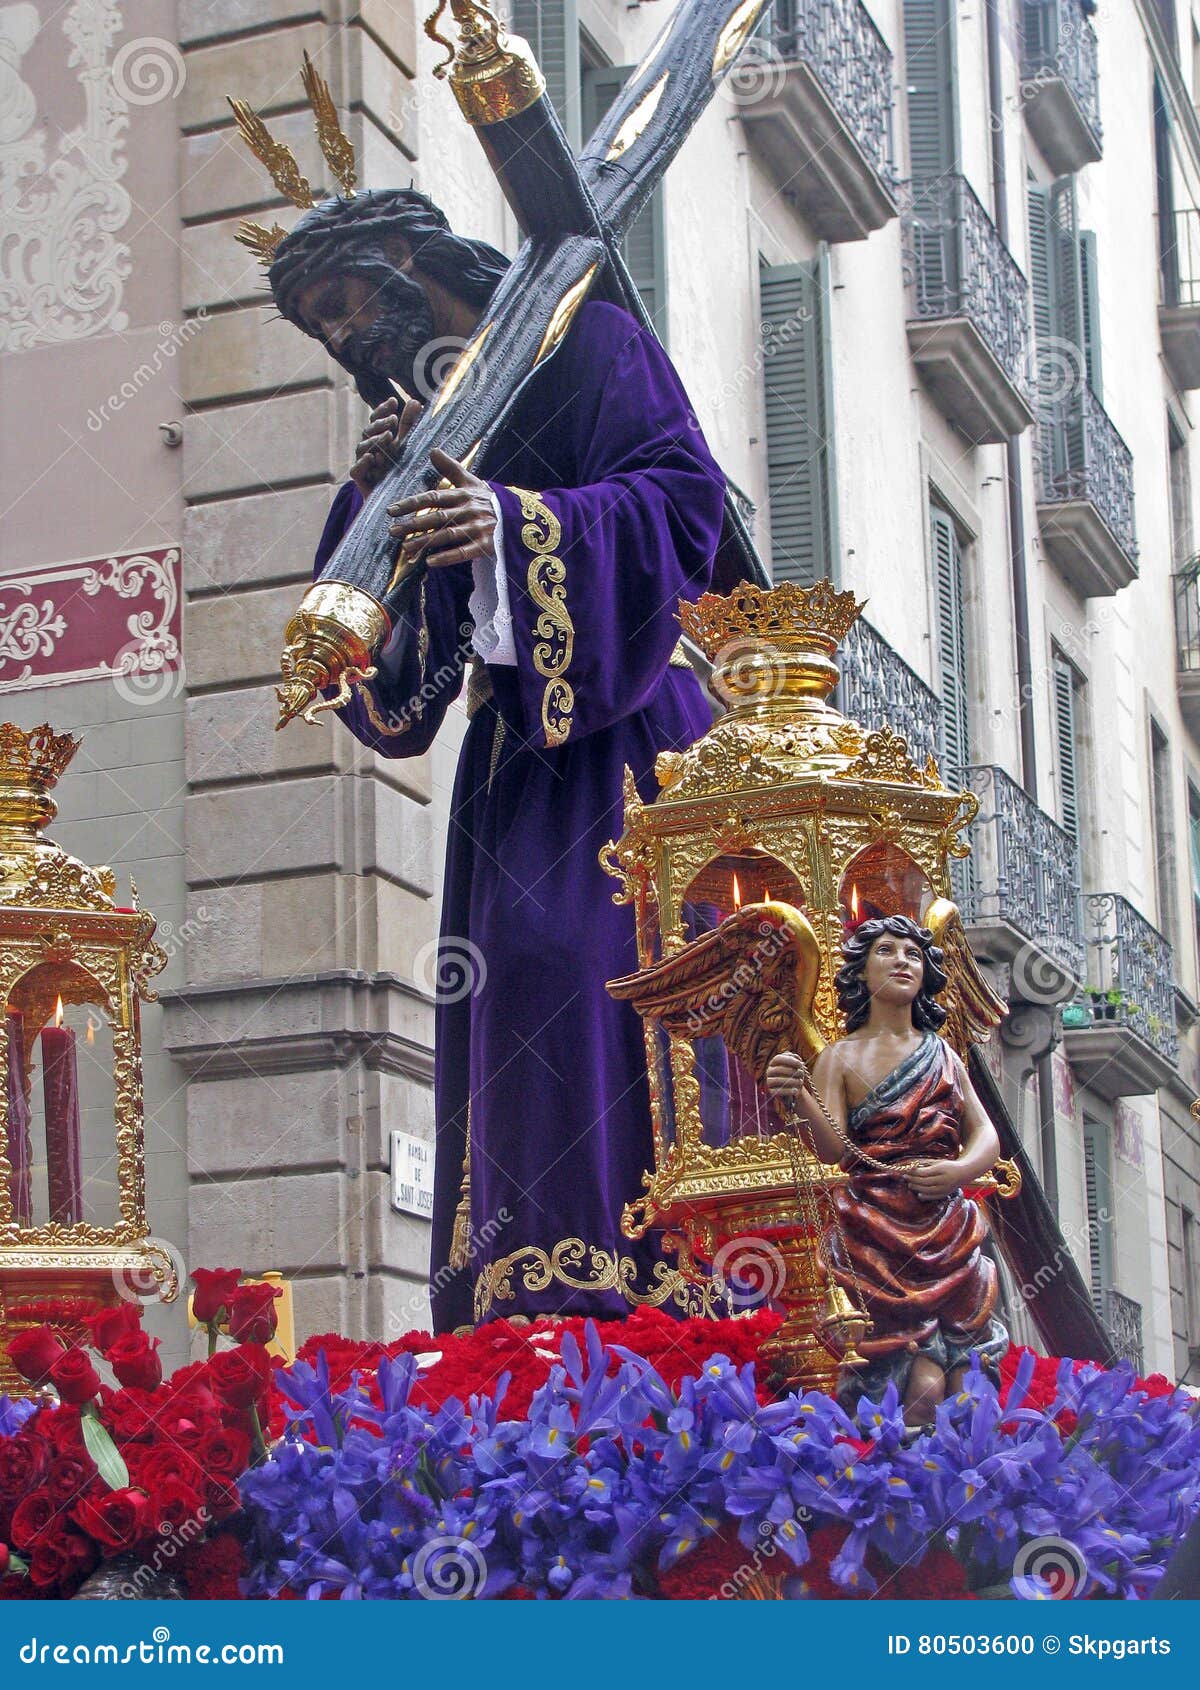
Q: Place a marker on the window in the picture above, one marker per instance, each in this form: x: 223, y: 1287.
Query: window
x: 1069, y: 704
x: 1063, y: 275
x: 1164, y: 843
x: 581, y: 89
x: 930, y: 76
x: 800, y: 481
x: 946, y: 566
x: 1191, y: 1278
x: 1181, y: 505
x: 1194, y: 844
x: 1097, y: 1174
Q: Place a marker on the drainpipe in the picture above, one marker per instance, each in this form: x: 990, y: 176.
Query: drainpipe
x: 1043, y: 1065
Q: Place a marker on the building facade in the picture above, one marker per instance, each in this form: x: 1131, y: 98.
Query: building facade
x: 931, y: 274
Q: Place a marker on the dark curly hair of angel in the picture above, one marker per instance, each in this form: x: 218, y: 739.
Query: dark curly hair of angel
x: 850, y: 980
x: 355, y: 235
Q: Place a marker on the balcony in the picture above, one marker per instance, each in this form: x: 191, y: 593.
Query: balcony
x: 1119, y: 1032
x: 1085, y: 494
x: 876, y: 687
x: 1187, y: 642
x: 1123, y: 1318
x: 1179, y: 295
x: 1059, y: 83
x: 968, y: 328
x: 814, y: 91
x: 1019, y: 890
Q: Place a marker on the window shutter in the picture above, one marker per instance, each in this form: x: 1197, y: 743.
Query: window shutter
x: 929, y: 72
x: 1098, y: 1191
x: 1066, y: 743
x: 1040, y: 261
x: 952, y: 645
x: 551, y: 28
x: 1091, y: 311
x: 1066, y: 269
x: 644, y: 246
x: 799, y: 459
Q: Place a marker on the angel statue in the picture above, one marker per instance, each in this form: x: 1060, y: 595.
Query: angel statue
x: 893, y: 1103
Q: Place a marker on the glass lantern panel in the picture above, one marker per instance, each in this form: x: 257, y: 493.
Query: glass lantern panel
x: 884, y: 880
x: 61, y: 1115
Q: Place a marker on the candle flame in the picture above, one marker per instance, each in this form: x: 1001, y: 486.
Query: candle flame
x: 854, y: 903
x: 766, y: 894
x: 58, y: 1012
x: 737, y: 894
x: 91, y: 1031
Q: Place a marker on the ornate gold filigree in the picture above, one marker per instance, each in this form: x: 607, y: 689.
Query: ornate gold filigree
x: 885, y: 757
x: 768, y: 614
x: 336, y: 148
x: 278, y: 158
x: 553, y: 628
x: 580, y: 1266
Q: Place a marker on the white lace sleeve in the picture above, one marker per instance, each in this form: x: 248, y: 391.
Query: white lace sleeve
x: 488, y: 604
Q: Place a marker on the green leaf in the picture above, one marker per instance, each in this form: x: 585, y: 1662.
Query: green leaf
x: 109, y: 1462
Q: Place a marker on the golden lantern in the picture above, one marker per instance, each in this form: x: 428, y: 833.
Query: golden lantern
x: 771, y: 836
x: 73, y: 967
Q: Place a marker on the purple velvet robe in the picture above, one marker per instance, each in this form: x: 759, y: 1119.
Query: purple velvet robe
x: 612, y: 507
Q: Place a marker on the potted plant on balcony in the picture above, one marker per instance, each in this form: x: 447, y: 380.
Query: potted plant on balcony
x: 1104, y: 1003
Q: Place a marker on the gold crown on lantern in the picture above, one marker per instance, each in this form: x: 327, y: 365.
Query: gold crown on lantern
x: 281, y: 161
x: 34, y: 756
x: 788, y: 611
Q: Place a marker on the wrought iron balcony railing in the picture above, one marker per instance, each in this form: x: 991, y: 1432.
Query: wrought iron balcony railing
x: 1131, y: 973
x: 1179, y: 257
x: 839, y: 40
x: 1023, y: 869
x: 1057, y: 41
x: 1082, y: 457
x: 1187, y: 615
x: 959, y: 267
x: 877, y: 686
x: 1123, y: 1318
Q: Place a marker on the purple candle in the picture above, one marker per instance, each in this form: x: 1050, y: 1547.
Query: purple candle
x: 60, y: 1091
x: 19, y: 1185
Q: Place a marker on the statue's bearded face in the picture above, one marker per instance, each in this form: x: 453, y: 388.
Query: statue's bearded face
x: 371, y: 324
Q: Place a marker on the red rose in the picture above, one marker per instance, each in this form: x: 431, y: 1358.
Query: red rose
x: 252, y: 1317
x: 157, y: 1465
x: 131, y: 1414
x: 176, y: 1506
x: 241, y: 1376
x: 118, y: 1520
x: 214, y: 1288
x: 34, y: 1353
x: 222, y: 1498
x: 22, y: 1463
x: 59, y: 1428
x: 30, y: 1518
x: 74, y: 1377
x: 224, y: 1453
x: 110, y: 1325
x: 135, y: 1361
x: 65, y: 1555
x: 68, y: 1474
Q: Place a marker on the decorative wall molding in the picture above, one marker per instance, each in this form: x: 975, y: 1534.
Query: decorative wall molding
x: 113, y: 616
x: 62, y: 270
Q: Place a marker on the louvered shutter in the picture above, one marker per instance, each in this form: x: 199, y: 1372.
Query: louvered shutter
x: 644, y: 246
x: 551, y: 28
x: 1098, y: 1192
x: 930, y: 78
x: 952, y: 645
x: 1091, y: 311
x: 799, y: 456
x: 1066, y: 743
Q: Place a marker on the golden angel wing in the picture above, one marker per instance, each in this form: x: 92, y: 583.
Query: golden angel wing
x: 278, y: 158
x: 974, y: 1008
x: 751, y: 981
x: 339, y: 154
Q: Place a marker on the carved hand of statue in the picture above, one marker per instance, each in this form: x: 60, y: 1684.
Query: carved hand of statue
x: 450, y: 524
x: 933, y: 1178
x: 787, y: 1075
x: 384, y: 434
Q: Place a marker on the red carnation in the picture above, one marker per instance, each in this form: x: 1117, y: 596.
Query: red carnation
x: 30, y: 1518
x: 214, y: 1288
x: 134, y: 1359
x: 241, y: 1376
x: 210, y: 1570
x: 224, y: 1453
x: 34, y: 1353
x: 110, y: 1325
x: 74, y: 1377
x: 252, y: 1317
x: 118, y: 1520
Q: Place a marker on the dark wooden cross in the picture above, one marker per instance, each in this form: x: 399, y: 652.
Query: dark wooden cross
x: 573, y: 213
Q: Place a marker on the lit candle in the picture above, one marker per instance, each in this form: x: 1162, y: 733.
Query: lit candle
x: 60, y: 1091
x: 19, y: 1185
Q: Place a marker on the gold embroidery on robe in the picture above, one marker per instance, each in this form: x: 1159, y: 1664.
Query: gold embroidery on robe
x: 589, y: 1267
x: 554, y: 629
x: 460, y: 1235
